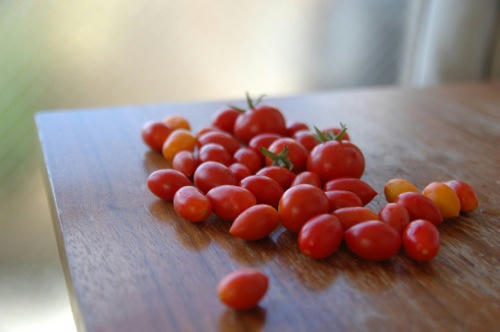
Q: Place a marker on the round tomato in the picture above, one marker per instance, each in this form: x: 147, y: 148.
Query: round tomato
x: 164, y: 183
x: 420, y: 207
x: 214, y: 152
x: 293, y: 127
x: 185, y: 162
x: 421, y: 240
x: 466, y: 195
x: 249, y: 158
x: 281, y: 175
x: 395, y: 215
x: 362, y: 189
x: 222, y: 138
x: 306, y: 138
x: 191, y: 204
x: 154, y: 134
x: 373, y: 240
x: 260, y: 120
x: 212, y: 174
x: 341, y: 198
x: 320, y: 236
x: 265, y: 189
x: 239, y: 171
x: 297, y: 154
x: 243, y: 289
x: 350, y: 216
x: 255, y: 223
x: 229, y: 201
x: 225, y: 119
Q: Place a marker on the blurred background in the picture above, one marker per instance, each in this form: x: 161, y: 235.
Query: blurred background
x: 73, y: 54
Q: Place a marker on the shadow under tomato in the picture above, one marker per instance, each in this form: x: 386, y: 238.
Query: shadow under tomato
x: 245, y: 320
x: 153, y: 160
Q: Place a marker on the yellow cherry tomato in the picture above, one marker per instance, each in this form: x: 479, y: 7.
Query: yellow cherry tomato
x: 444, y: 197
x: 395, y: 187
x: 177, y: 122
x: 179, y: 140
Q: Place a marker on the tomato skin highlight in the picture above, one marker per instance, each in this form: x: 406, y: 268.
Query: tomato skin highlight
x: 211, y: 174
x: 178, y: 140
x: 421, y: 240
x: 281, y: 175
x: 466, y: 195
x: 299, y: 204
x: 350, y: 216
x: 262, y: 141
x: 243, y: 289
x: 255, y: 223
x: 334, y: 159
x: 295, y: 126
x: 229, y: 201
x: 249, y: 158
x: 191, y: 204
x: 260, y: 120
x: 320, y: 236
x: 154, y: 134
x: 373, y: 240
x: 266, y: 190
x: 214, y: 152
x: 225, y: 119
x: 239, y: 171
x: 307, y: 178
x: 444, y: 197
x: 395, y: 187
x: 420, y: 207
x: 297, y: 154
x: 185, y: 162
x: 395, y: 215
x: 222, y: 138
x: 164, y: 183
x: 306, y: 138
x: 339, y: 199
x: 362, y: 189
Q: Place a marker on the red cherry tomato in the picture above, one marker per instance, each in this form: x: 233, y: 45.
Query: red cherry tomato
x: 307, y: 178
x: 297, y: 154
x: 185, y: 162
x: 362, y: 189
x: 243, y: 289
x: 335, y: 131
x: 239, y: 171
x: 299, y: 204
x: 262, y: 140
x: 225, y: 119
x: 263, y: 119
x: 350, y: 216
x: 255, y: 223
x: 420, y: 207
x: 214, y: 152
x: 191, y: 204
x: 229, y: 201
x: 341, y: 198
x: 219, y: 137
x: 295, y: 127
x: 421, y: 240
x: 466, y: 195
x: 165, y: 182
x: 306, y: 138
x: 320, y: 236
x: 265, y: 189
x: 281, y: 175
x: 373, y: 240
x: 334, y: 159
x: 395, y: 215
x: 249, y: 158
x: 212, y: 174
x: 154, y: 134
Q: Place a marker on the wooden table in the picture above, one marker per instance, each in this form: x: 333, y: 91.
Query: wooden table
x: 133, y: 265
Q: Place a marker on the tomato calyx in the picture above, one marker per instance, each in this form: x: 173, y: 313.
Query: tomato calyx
x: 251, y: 103
x: 279, y: 159
x: 325, y: 137
x: 236, y: 108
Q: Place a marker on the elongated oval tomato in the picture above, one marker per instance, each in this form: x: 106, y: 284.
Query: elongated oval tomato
x: 373, y: 240
x: 306, y: 138
x: 222, y: 138
x: 420, y: 207
x: 154, y: 134
x: 421, y: 240
x: 229, y: 201
x: 265, y: 189
x: 243, y: 289
x: 339, y: 199
x: 185, y: 162
x: 255, y: 223
x: 248, y: 157
x: 225, y: 119
x: 211, y: 174
x: 362, y: 189
x: 307, y: 178
x: 191, y: 204
x: 466, y: 195
x: 351, y: 216
x: 395, y: 215
x: 164, y: 183
x: 239, y: 171
x: 444, y: 197
x: 178, y: 140
x: 320, y: 236
x: 177, y: 122
x: 395, y: 187
x: 214, y: 152
x: 281, y: 175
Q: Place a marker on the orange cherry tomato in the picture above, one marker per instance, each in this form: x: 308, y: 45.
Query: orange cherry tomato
x: 394, y: 187
x: 177, y: 122
x: 444, y: 197
x: 255, y: 223
x: 179, y: 140
x: 243, y: 289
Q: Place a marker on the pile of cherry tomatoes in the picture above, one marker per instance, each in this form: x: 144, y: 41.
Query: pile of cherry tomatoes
x: 252, y: 169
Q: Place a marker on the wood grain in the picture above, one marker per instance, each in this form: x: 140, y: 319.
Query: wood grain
x: 133, y: 265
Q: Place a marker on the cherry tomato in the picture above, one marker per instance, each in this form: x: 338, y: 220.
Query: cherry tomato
x: 466, y: 195
x: 335, y: 131
x: 265, y: 189
x: 154, y: 134
x: 255, y: 223
x: 177, y: 122
x: 281, y: 175
x: 229, y: 201
x: 260, y: 120
x: 225, y: 119
x: 222, y: 138
x: 341, y: 198
x: 320, y: 236
x: 191, y: 204
x: 373, y: 240
x: 395, y: 215
x: 178, y: 140
x: 294, y: 127
x: 350, y: 216
x: 421, y: 240
x: 185, y: 162
x: 444, y: 197
x: 165, y: 182
x: 357, y: 186
x: 249, y: 158
x: 239, y: 171
x: 214, y: 152
x: 211, y: 174
x: 336, y: 159
x: 205, y: 130
x: 394, y: 187
x: 299, y: 204
x: 262, y: 140
x: 306, y: 138
x: 243, y: 289
x: 307, y: 178
x: 297, y: 154
x: 420, y: 207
